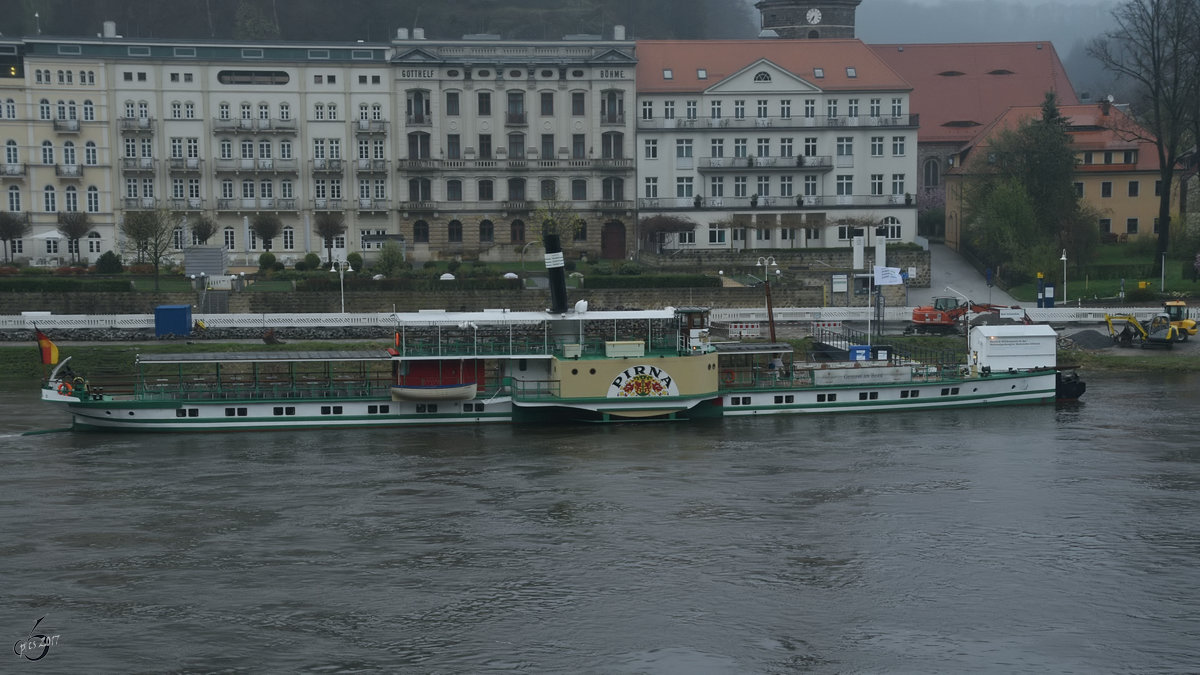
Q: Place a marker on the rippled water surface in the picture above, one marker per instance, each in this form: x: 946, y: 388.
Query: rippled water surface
x: 1008, y: 540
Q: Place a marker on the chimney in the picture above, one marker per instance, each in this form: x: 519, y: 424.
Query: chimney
x: 401, y: 33
x: 619, y: 33
x: 110, y: 29
x: 418, y: 33
x: 1105, y: 106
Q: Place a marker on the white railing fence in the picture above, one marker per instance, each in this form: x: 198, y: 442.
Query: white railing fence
x: 386, y: 320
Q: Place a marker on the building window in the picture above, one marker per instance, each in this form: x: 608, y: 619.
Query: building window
x: 452, y: 108
x: 739, y: 186
x: 933, y: 173
x: 651, y: 146
x: 651, y: 191
x: 454, y: 190
x: 1134, y: 188
x: 579, y: 104
x: 487, y: 231
x: 1106, y: 225
x: 421, y: 232
x: 516, y: 232
x: 683, y: 187
x: 683, y: 147
x: 1131, y: 225
x: 898, y: 146
x: 845, y: 185
x: 876, y: 184
x: 454, y: 233
x: 1079, y: 190
x: 1106, y: 189
x: 547, y: 103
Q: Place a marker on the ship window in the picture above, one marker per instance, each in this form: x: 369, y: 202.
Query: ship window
x: 820, y: 398
x: 426, y: 407
x: 325, y: 410
x: 181, y: 413
x: 278, y: 410
x: 337, y: 410
x: 779, y: 399
x: 522, y: 364
x: 230, y: 412
x: 862, y: 395
x: 193, y: 412
x: 832, y: 398
x: 242, y: 412
x: 290, y: 410
x: 372, y: 410
x: 384, y: 409
x: 915, y: 393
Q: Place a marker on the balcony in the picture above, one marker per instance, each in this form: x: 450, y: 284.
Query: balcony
x: 189, y: 204
x: 323, y: 204
x: 805, y: 163
x: 614, y: 205
x: 255, y: 126
x: 328, y: 166
x: 516, y: 205
x: 515, y: 119
x: 186, y: 164
x: 131, y: 164
x: 257, y: 165
x: 257, y: 204
x: 774, y: 203
x: 612, y: 118
x: 613, y: 164
x: 417, y: 120
x: 66, y: 126
x: 136, y: 124
x: 12, y: 169
x: 813, y: 122
x: 68, y: 170
x: 371, y: 165
x: 424, y: 164
x: 140, y: 203
x: 365, y: 204
x: 418, y: 206
x: 370, y: 126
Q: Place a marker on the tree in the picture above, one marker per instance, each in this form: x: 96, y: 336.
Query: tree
x: 391, y: 260
x: 557, y: 217
x: 329, y: 226
x: 1152, y: 47
x: 254, y: 24
x: 266, y: 226
x: 12, y: 226
x: 74, y: 225
x: 652, y: 227
x: 203, y: 229
x: 150, y: 234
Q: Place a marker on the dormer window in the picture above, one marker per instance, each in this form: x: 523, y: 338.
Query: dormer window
x: 851, y: 72
x: 668, y: 74
x: 819, y: 73
x: 701, y: 74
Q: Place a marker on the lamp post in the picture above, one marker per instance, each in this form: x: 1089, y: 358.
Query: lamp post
x: 766, y: 263
x: 1066, y: 298
x: 343, y: 266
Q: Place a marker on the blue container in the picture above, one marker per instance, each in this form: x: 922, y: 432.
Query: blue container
x: 172, y: 320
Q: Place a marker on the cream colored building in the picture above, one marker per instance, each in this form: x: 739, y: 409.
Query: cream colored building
x: 110, y: 125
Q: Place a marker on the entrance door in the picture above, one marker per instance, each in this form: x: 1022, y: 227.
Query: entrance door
x: 612, y: 240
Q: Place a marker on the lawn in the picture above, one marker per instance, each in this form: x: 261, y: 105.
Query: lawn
x: 1176, y: 281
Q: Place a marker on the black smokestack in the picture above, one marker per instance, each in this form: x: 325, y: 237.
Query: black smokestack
x: 557, y: 273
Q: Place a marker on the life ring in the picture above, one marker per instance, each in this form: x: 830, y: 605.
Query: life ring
x: 727, y: 377
x: 66, y: 389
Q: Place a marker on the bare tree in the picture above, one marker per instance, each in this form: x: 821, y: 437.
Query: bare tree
x: 150, y: 234
x: 652, y: 227
x: 1152, y: 47
x: 12, y: 226
x: 557, y: 216
x: 329, y: 226
x: 203, y: 229
x: 266, y: 226
x: 74, y: 225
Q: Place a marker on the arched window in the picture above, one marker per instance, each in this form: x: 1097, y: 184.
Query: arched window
x: 14, y: 198
x: 762, y: 76
x: 890, y: 228
x: 454, y: 232
x: 421, y: 232
x: 933, y: 173
x: 93, y: 238
x: 516, y: 231
x: 49, y: 199
x: 10, y: 109
x: 12, y: 153
x: 69, y: 153
x: 47, y: 152
x: 614, y: 189
x: 44, y: 109
x: 89, y: 111
x: 71, y: 199
x: 62, y: 110
x: 454, y: 190
x: 548, y: 188
x: 93, y: 200
x: 580, y: 229
x: 89, y: 154
x: 487, y: 231
x: 289, y: 238
x: 516, y: 189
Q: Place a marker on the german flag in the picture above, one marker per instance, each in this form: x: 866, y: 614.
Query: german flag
x: 47, y: 349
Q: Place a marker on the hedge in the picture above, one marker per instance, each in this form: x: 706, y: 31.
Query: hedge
x: 63, y: 285
x: 656, y: 281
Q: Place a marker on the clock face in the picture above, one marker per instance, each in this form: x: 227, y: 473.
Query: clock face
x: 814, y: 15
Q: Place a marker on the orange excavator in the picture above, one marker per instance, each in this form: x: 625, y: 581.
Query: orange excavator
x: 943, y: 316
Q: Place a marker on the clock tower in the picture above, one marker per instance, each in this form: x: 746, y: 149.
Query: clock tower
x: 809, y: 19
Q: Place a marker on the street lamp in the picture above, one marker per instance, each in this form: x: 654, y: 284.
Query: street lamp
x: 766, y: 263
x: 1066, y: 299
x: 343, y: 266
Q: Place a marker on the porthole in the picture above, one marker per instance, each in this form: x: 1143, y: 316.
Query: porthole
x: 592, y: 371
x: 484, y: 73
x: 547, y: 73
x: 576, y: 73
x: 514, y: 73
x: 574, y: 371
x: 451, y: 73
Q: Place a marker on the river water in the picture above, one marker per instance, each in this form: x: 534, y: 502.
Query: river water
x: 1019, y: 540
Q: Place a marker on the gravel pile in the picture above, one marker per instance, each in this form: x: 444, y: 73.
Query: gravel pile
x: 1091, y: 339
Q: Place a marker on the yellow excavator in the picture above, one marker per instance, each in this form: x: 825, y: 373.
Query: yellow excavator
x: 1176, y: 311
x: 1158, y: 333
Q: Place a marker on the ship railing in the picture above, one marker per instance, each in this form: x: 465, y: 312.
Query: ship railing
x: 431, y: 347
x: 535, y: 390
x: 804, y: 376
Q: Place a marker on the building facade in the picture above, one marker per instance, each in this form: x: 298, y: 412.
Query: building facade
x: 448, y: 145
x: 773, y: 144
x: 1116, y: 171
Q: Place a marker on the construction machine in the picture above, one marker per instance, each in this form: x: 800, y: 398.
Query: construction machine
x: 1176, y: 311
x: 945, y: 313
x: 1158, y: 333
